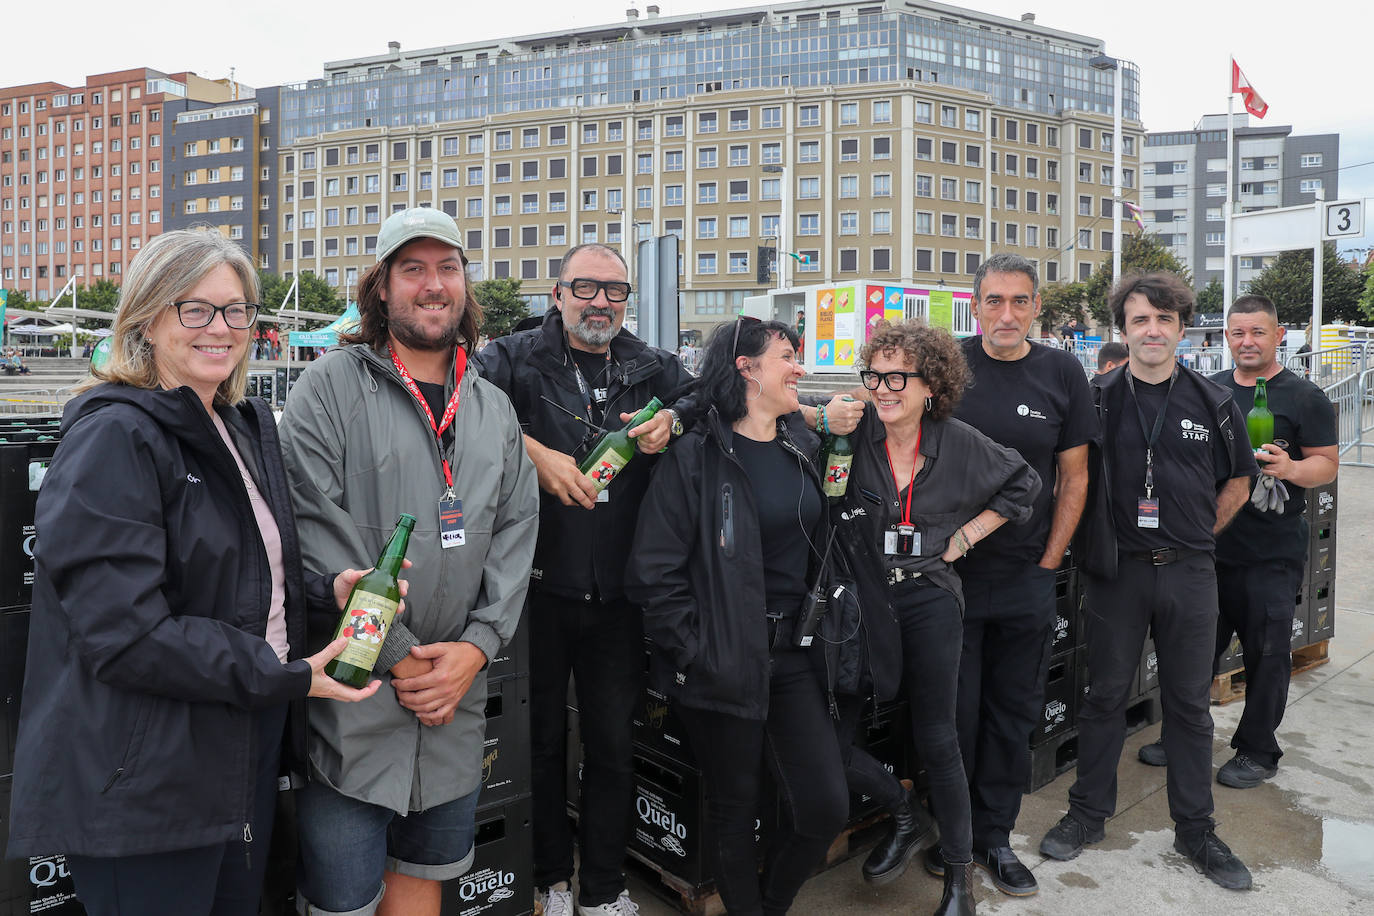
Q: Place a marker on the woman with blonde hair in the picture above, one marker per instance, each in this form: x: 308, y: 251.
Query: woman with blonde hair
x: 167, y: 637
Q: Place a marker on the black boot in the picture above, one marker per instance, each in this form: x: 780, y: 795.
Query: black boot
x: 958, y: 899
x: 912, y: 830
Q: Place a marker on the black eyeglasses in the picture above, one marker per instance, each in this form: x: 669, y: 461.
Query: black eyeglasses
x: 197, y: 313
x: 587, y: 288
x: 895, y: 381
x: 734, y: 347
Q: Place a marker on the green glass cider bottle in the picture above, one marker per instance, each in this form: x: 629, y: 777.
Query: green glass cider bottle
x: 371, y: 606
x: 615, y: 449
x: 839, y: 457
x: 1259, y: 422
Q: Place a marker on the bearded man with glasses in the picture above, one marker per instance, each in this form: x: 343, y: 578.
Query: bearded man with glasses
x: 581, y: 369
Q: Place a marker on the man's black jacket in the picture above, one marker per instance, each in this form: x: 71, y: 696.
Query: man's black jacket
x: 582, y: 552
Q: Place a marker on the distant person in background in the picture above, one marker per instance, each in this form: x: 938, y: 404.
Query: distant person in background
x: 1110, y: 356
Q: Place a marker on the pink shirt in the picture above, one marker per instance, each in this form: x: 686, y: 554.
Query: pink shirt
x: 271, y: 540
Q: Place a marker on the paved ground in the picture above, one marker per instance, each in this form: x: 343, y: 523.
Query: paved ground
x: 1307, y: 835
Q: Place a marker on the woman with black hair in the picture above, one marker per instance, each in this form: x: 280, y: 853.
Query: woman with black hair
x: 730, y: 538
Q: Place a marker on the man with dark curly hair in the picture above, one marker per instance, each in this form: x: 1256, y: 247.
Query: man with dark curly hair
x: 1175, y: 468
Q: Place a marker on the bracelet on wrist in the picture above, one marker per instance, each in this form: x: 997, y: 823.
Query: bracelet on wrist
x: 822, y: 424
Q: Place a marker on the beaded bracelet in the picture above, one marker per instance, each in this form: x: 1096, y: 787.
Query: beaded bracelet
x: 822, y: 424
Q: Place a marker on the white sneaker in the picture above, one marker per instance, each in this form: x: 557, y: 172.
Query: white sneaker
x: 556, y: 901
x: 620, y: 906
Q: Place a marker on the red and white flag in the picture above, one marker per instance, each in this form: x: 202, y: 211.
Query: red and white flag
x: 1253, y: 103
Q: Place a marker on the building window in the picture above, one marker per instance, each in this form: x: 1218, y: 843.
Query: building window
x: 771, y: 117
x: 882, y: 260
x: 1310, y: 160
x: 809, y: 151
x: 808, y: 188
x: 849, y: 222
x: 739, y: 262
x: 1309, y: 185
x: 706, y: 192
x: 809, y: 116
x: 849, y: 114
x: 882, y: 185
x: 809, y: 224
x: 849, y: 260
x: 882, y: 147
x: 706, y: 262
x: 882, y: 111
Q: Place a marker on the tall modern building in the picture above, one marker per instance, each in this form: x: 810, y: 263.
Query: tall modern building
x: 1184, y: 186
x: 218, y: 163
x: 81, y: 177
x: 895, y: 141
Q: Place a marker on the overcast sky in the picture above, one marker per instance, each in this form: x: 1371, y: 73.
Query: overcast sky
x: 1293, y: 53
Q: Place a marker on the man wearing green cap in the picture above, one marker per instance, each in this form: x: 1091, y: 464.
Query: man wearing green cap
x: 392, y: 422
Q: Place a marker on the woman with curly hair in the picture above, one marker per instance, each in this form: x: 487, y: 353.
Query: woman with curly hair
x: 930, y: 488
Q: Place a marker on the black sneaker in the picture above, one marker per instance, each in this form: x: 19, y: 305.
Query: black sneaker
x: 1006, y: 871
x: 1153, y: 754
x: 1066, y: 839
x: 1214, y: 859
x: 1244, y: 772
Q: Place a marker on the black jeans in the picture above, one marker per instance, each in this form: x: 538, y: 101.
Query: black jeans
x: 864, y: 773
x: 931, y: 636
x: 1178, y: 604
x: 1257, y: 603
x: 1008, y: 623
x: 798, y: 744
x: 601, y: 643
x: 221, y: 880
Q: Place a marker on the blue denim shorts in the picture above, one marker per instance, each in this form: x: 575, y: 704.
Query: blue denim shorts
x: 347, y: 844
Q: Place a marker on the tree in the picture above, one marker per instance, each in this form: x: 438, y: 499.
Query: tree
x: 315, y: 294
x: 1211, y: 300
x: 1141, y: 253
x: 502, y: 307
x: 1287, y: 282
x: 1060, y: 303
x: 18, y: 299
x: 1367, y: 298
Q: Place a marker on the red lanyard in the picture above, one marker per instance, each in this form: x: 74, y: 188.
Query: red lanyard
x: 460, y: 364
x: 906, y: 512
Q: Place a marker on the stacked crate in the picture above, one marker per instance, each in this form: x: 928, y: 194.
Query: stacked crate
x: 27, y: 444
x: 501, y: 881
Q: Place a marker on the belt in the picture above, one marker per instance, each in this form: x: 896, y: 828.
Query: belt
x: 1161, y: 556
x: 901, y: 574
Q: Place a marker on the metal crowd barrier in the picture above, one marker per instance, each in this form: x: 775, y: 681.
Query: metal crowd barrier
x: 31, y: 402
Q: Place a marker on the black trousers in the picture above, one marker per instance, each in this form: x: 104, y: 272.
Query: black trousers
x: 863, y: 772
x: 1178, y: 604
x: 221, y: 880
x: 931, y: 636
x: 1008, y: 624
x: 601, y: 644
x: 797, y: 743
x: 1257, y: 603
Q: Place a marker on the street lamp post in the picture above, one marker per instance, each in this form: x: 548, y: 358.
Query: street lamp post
x: 1104, y: 63
x: 783, y: 227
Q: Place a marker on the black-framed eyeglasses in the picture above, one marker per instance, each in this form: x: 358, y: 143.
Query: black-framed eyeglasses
x: 895, y: 381
x: 197, y: 313
x: 739, y: 323
x: 587, y: 288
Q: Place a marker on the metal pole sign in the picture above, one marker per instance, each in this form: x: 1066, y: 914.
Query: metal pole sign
x: 1343, y: 219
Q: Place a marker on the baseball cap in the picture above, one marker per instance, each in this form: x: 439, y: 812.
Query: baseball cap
x: 416, y: 223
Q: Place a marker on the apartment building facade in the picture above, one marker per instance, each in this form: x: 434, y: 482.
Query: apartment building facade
x: 81, y: 177
x: 219, y: 163
x: 1184, y: 186
x: 895, y: 141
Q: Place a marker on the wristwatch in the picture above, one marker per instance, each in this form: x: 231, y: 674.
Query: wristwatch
x: 676, y: 429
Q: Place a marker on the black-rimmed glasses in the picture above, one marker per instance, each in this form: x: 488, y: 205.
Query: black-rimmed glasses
x: 587, y: 288
x: 197, y: 313
x: 734, y: 347
x: 895, y: 381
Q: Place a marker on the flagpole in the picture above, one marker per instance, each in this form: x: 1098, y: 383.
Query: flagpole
x: 1226, y: 276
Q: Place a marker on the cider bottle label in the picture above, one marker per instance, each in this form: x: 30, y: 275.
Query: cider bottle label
x: 837, y: 474
x: 607, y: 466
x: 365, y: 622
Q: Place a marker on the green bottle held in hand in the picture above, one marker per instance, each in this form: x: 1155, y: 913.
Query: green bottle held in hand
x: 839, y: 458
x: 1259, y: 422
x: 615, y: 449
x: 368, y: 614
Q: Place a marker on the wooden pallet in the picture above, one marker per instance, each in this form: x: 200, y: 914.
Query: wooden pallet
x: 1229, y: 686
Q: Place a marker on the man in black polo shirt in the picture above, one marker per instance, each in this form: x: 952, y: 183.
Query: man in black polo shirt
x: 1175, y: 468
x: 1034, y: 399
x: 1260, y: 557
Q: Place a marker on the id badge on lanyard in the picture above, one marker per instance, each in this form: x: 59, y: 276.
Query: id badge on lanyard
x: 450, y: 508
x: 1147, y: 506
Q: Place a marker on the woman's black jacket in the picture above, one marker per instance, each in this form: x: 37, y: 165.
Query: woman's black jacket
x: 146, y: 655
x: 697, y: 570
